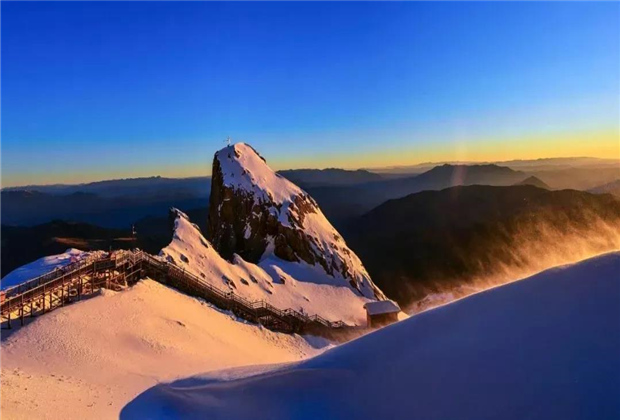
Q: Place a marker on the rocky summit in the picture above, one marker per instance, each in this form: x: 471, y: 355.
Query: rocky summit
x: 258, y: 214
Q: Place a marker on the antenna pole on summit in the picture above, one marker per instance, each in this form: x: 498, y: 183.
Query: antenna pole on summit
x: 228, y: 140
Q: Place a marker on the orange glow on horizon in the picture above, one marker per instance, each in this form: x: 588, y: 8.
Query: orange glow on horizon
x: 597, y: 144
x: 604, y: 144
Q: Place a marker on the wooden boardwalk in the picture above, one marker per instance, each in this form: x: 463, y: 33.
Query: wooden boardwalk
x: 60, y: 287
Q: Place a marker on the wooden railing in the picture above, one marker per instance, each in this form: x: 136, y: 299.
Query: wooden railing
x: 134, y: 265
x: 255, y: 310
x: 47, y: 277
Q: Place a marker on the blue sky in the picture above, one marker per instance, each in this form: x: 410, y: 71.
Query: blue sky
x: 117, y: 89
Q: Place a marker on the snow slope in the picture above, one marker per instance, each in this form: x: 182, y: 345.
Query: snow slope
x: 284, y: 284
x: 42, y: 266
x: 544, y: 348
x: 89, y: 359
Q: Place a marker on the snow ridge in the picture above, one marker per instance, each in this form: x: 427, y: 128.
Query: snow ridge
x: 283, y: 284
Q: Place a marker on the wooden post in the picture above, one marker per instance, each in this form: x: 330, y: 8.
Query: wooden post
x: 9, y: 321
x: 21, y: 311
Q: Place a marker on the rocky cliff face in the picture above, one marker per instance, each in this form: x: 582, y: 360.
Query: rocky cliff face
x: 258, y: 214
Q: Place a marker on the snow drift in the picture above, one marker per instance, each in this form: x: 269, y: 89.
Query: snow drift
x: 87, y: 360
x: 542, y: 348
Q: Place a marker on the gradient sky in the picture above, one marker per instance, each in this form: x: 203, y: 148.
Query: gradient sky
x: 118, y: 89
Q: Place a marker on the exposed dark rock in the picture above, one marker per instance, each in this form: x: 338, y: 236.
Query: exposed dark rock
x: 246, y: 219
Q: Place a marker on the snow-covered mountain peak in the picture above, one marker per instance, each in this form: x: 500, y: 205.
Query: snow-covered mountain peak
x: 258, y: 214
x: 244, y: 169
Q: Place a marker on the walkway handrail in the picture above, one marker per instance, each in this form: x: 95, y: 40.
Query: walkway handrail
x: 50, y: 276
x: 168, y: 269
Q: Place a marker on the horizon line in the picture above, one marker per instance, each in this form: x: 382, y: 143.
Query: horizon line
x: 366, y: 168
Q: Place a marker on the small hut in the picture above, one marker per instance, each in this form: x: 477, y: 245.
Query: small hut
x: 382, y: 312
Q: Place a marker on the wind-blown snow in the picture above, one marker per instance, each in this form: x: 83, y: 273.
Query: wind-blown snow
x: 283, y: 284
x: 543, y: 348
x: 41, y: 266
x: 87, y: 360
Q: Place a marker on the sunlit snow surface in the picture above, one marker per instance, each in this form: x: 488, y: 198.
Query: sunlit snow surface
x: 41, y: 266
x: 546, y: 347
x: 296, y: 285
x: 89, y: 359
x: 284, y: 284
x: 244, y: 169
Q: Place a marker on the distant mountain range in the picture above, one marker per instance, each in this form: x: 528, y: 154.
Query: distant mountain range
x: 340, y: 204
x: 308, y: 178
x: 517, y: 164
x: 114, y: 203
x: 342, y: 194
x: 21, y: 245
x: 577, y: 178
x: 609, y: 188
x: 536, y: 182
x: 433, y: 242
x: 155, y: 185
x: 31, y: 207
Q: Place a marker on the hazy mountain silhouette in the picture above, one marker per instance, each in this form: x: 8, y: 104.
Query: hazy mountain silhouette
x: 155, y: 185
x: 609, y: 188
x: 340, y: 204
x: 307, y: 178
x: 578, y: 178
x: 434, y: 240
x: 536, y: 182
x: 114, y: 207
x: 525, y: 165
x: 21, y: 245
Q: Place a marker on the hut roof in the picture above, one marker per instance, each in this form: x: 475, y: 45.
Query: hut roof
x: 381, y: 307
